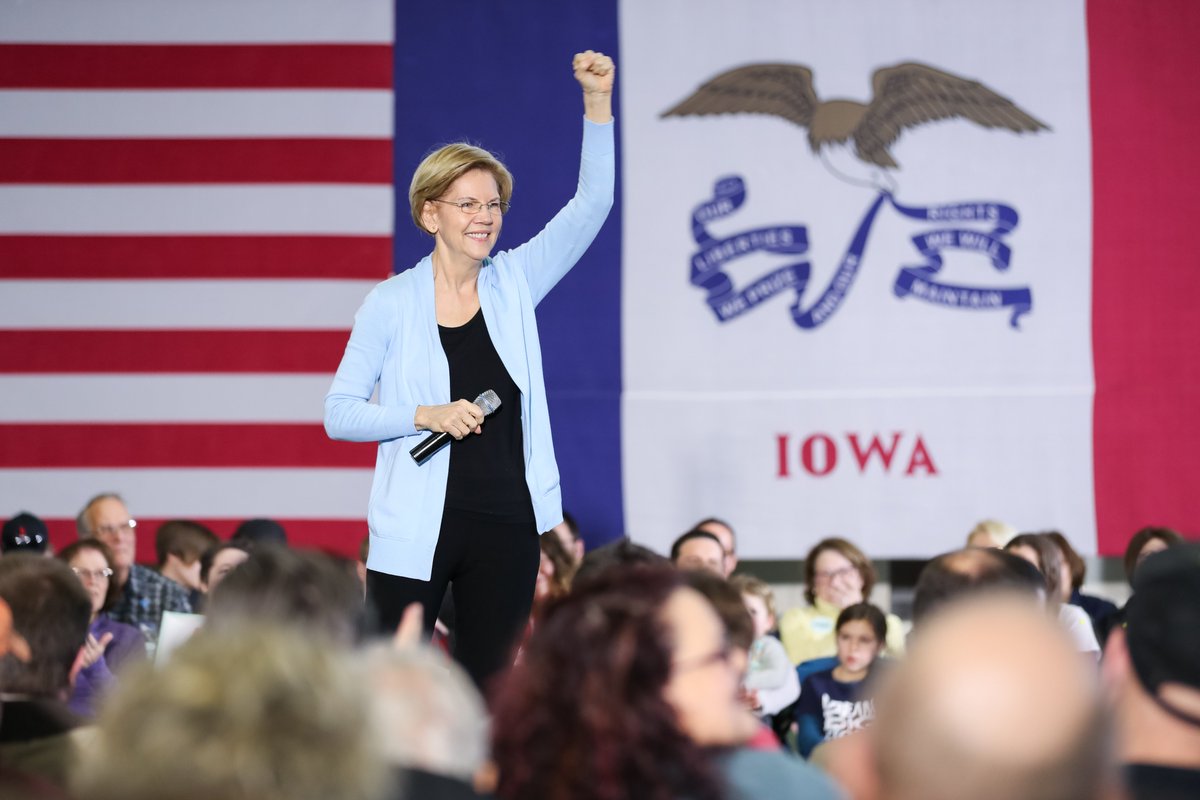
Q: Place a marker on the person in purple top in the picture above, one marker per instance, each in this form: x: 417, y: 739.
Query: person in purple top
x: 110, y: 644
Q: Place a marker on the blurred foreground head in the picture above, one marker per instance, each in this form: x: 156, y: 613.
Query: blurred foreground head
x: 49, y: 611
x: 1152, y: 666
x: 256, y: 712
x: 622, y: 553
x: 992, y: 703
x: 971, y: 572
x: 431, y: 718
x: 298, y: 588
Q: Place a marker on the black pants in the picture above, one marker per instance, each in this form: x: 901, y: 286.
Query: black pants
x: 492, y: 568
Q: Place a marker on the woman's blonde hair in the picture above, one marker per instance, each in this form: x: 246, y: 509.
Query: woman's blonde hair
x: 749, y: 584
x: 995, y: 530
x: 447, y: 164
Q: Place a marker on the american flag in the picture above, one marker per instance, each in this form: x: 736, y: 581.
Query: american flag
x: 194, y: 199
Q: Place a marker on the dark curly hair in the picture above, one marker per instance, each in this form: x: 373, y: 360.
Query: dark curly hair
x: 583, y: 716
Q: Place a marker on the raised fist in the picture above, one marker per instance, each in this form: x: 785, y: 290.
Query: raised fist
x: 594, y: 71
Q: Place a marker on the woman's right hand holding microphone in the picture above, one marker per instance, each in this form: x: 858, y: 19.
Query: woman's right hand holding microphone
x: 460, y: 418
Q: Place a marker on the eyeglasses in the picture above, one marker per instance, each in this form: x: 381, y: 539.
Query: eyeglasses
x: 497, y: 207
x: 828, y: 575
x: 113, y: 530
x: 721, y: 655
x: 92, y: 574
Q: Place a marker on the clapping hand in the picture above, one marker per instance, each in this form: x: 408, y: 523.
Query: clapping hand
x: 94, y: 648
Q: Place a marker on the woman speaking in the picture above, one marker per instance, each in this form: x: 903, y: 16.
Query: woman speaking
x: 460, y: 323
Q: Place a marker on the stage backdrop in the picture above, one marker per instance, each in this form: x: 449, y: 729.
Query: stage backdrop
x: 874, y: 272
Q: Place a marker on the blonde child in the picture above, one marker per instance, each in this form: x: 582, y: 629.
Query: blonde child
x: 770, y: 675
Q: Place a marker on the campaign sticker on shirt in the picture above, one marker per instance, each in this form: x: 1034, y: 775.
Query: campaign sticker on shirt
x: 821, y: 625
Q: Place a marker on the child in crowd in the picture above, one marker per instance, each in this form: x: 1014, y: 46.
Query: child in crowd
x: 833, y: 703
x: 770, y: 675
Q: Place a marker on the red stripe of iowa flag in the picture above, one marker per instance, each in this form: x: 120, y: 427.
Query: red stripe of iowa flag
x: 1145, y: 110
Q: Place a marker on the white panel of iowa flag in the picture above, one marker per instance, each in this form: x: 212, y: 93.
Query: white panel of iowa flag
x: 856, y: 264
x: 194, y: 198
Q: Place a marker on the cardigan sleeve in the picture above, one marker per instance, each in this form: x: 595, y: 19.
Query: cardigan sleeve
x: 549, y: 255
x: 349, y: 414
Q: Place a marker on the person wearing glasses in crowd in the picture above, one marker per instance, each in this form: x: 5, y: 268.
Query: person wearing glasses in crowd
x: 837, y: 575
x: 110, y: 645
x: 459, y: 323
x: 141, y: 594
x: 631, y: 687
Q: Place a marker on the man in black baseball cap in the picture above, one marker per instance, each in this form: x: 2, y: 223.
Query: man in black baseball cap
x: 1153, y: 668
x: 25, y: 533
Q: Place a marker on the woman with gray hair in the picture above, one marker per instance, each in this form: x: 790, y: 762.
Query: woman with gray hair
x: 252, y: 711
x: 433, y: 726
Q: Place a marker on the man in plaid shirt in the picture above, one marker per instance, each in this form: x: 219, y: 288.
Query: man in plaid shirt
x: 142, y: 594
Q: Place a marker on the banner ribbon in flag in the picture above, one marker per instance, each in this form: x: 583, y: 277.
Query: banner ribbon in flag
x: 729, y: 194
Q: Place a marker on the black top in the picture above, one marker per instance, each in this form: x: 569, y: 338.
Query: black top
x: 431, y: 786
x: 487, y: 470
x: 1157, y: 782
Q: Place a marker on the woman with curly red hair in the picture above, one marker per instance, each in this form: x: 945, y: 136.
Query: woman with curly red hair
x: 626, y: 689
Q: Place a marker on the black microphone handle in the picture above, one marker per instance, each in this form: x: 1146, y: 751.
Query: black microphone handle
x: 432, y: 443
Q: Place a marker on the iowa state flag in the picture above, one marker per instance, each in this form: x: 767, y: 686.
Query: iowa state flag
x: 876, y: 271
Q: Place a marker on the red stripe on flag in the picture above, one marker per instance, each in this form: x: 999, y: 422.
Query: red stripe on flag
x: 340, y: 537
x: 196, y: 161
x: 177, y: 445
x: 1145, y: 111
x: 171, y: 351
x: 345, y: 257
x: 190, y: 66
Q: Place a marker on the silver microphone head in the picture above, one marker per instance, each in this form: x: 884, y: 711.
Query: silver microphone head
x: 489, y: 401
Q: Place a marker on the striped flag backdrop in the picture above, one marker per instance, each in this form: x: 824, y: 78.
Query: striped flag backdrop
x: 195, y: 197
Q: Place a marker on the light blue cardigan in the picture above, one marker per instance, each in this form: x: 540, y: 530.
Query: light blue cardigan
x: 395, y: 343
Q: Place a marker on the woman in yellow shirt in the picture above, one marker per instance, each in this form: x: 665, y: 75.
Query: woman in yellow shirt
x: 836, y: 575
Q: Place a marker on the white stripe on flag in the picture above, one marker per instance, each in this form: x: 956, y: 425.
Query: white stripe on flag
x: 296, y: 208
x: 202, y: 493
x: 174, y: 304
x: 310, y: 113
x: 187, y: 21
x: 162, y: 398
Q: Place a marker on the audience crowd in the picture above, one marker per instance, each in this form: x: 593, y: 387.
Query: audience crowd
x: 639, y: 674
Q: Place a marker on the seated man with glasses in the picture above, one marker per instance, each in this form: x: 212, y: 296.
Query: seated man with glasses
x: 143, y: 594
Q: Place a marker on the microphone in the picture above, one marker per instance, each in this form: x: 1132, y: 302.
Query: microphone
x: 488, y: 401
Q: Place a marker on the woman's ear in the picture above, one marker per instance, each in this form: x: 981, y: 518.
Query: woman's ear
x: 429, y: 217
